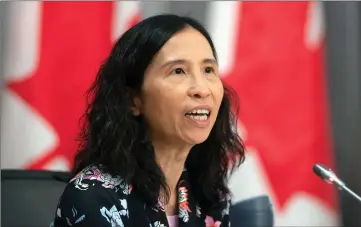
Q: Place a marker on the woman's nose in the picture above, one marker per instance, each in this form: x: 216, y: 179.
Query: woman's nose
x: 199, y: 91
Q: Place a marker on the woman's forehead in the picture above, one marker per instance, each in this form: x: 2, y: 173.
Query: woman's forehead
x: 186, y: 45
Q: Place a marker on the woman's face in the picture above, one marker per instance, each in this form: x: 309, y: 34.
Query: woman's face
x: 182, y: 90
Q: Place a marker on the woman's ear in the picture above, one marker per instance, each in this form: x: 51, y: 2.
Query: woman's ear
x: 136, y: 104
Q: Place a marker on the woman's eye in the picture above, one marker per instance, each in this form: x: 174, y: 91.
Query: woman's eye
x: 209, y: 70
x: 178, y: 71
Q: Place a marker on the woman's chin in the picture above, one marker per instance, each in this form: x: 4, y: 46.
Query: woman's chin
x: 197, y: 138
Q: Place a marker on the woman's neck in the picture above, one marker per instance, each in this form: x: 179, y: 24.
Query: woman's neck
x: 171, y: 160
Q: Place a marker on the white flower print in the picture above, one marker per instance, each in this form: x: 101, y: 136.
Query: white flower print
x: 75, y: 219
x: 124, y: 187
x: 58, y: 212
x: 198, y: 211
x: 113, y: 216
x: 124, y: 204
x: 158, y: 224
x: 184, y: 215
x: 225, y: 211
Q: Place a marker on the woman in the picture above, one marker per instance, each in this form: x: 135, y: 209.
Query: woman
x: 159, y: 138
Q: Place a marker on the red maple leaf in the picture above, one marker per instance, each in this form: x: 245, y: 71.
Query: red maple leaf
x: 75, y: 39
x: 281, y: 87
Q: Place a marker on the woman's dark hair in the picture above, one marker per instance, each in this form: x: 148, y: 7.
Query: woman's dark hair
x: 117, y: 141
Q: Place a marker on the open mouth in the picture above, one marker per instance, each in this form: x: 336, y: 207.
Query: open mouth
x: 199, y: 114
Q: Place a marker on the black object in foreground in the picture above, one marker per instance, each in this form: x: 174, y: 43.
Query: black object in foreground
x: 253, y: 212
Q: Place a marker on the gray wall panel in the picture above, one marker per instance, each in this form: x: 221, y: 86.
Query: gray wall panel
x: 154, y: 8
x: 344, y: 78
x: 194, y: 9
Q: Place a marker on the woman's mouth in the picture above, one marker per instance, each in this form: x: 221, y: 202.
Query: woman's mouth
x: 199, y: 116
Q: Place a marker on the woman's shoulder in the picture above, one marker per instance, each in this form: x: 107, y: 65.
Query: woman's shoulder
x: 91, y: 198
x: 94, y: 180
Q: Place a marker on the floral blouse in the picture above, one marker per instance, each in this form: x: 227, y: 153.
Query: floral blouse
x: 95, y: 198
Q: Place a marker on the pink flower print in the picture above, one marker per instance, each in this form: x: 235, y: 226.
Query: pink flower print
x: 211, y: 223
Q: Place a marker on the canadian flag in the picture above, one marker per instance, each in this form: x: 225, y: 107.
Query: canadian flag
x: 53, y: 51
x: 272, y: 55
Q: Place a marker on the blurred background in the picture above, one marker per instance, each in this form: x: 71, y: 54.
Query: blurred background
x: 295, y: 66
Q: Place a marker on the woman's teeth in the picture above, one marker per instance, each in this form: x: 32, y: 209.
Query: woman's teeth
x: 199, y: 114
x: 199, y: 111
x: 198, y: 117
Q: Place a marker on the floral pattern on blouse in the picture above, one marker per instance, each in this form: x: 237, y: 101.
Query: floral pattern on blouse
x: 95, y: 198
x: 183, y: 208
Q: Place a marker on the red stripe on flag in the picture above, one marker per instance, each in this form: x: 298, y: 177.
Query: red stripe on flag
x: 75, y: 39
x: 281, y: 87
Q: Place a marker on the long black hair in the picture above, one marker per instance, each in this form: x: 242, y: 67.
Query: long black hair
x: 117, y: 141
